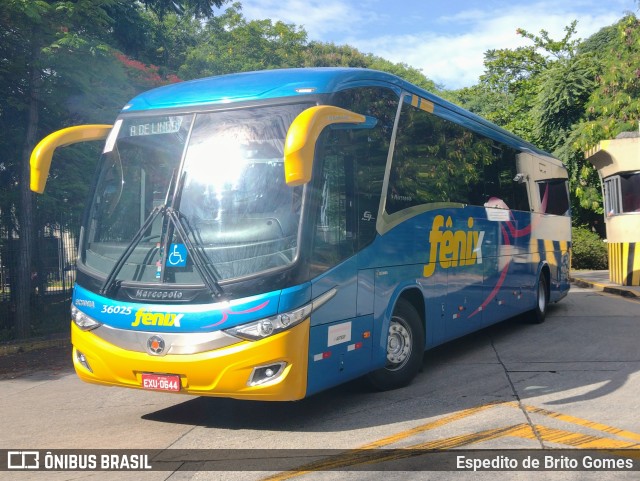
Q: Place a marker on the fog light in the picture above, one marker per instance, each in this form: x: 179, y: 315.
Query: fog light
x: 83, y: 360
x: 264, y: 374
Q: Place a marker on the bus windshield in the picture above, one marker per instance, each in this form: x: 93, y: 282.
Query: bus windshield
x: 223, y: 173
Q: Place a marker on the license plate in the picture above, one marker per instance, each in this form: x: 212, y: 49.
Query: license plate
x: 161, y: 382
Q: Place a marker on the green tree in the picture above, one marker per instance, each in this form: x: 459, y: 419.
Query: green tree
x: 198, y: 8
x: 318, y: 54
x: 513, y: 79
x: 58, y: 67
x: 560, y: 103
x: 612, y: 105
x: 483, y: 101
x: 43, y: 42
x: 230, y: 43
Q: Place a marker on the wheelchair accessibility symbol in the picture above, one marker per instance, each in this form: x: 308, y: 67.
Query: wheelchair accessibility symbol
x: 177, y: 255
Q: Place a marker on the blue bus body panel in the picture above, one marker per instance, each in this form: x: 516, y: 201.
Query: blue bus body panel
x: 338, y: 352
x: 467, y: 294
x: 340, y: 334
x: 253, y: 86
x: 462, y: 293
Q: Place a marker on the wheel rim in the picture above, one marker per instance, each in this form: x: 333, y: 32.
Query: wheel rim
x: 542, y: 297
x: 398, y: 344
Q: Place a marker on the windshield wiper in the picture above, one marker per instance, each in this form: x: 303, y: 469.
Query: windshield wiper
x: 109, y: 282
x: 207, y: 272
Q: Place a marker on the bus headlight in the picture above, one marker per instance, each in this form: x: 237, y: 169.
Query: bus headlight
x: 83, y: 321
x: 253, y: 331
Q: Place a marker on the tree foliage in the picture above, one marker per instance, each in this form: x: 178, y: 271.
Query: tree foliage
x: 58, y: 67
x: 48, y: 45
x: 197, y: 8
x: 230, y: 43
x: 318, y: 54
x: 565, y: 95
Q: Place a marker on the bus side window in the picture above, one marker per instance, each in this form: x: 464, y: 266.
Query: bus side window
x: 419, y: 171
x: 500, y: 179
x: 554, y: 197
x: 436, y: 160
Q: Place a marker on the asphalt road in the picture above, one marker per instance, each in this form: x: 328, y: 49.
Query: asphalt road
x: 570, y: 383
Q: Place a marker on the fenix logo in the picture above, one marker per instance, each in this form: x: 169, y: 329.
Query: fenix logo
x: 453, y: 248
x: 147, y: 318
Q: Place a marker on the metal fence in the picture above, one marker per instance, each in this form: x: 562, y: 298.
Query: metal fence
x: 53, y: 268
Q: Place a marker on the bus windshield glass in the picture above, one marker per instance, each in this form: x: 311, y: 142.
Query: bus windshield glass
x: 222, y: 172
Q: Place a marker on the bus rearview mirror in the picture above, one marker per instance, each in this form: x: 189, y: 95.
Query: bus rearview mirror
x: 300, y: 143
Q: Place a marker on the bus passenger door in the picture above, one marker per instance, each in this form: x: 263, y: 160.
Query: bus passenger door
x: 340, y: 333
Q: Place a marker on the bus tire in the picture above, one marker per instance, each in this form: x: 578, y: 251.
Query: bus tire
x: 542, y: 301
x: 405, y: 347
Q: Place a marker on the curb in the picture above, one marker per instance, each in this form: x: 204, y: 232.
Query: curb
x: 620, y: 291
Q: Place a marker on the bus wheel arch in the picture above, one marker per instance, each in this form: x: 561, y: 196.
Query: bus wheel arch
x: 405, y: 343
x: 542, y: 294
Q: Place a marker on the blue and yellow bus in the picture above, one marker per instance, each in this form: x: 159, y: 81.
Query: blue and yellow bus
x: 268, y: 235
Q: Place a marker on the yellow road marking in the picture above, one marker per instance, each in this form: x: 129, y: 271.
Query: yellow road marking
x: 359, y: 456
x: 473, y: 438
x: 373, y: 456
x: 578, y: 440
x: 350, y: 459
x: 429, y: 426
x: 583, y: 422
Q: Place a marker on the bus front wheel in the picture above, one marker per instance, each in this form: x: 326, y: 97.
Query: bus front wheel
x: 405, y: 346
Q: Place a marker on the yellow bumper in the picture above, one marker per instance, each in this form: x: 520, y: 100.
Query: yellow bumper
x: 221, y: 372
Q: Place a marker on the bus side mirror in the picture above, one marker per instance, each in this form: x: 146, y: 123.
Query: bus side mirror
x: 300, y: 143
x: 43, y: 152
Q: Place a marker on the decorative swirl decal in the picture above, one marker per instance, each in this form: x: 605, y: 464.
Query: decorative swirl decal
x: 228, y: 312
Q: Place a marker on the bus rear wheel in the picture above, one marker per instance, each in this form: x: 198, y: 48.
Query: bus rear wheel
x: 405, y: 346
x: 542, y: 301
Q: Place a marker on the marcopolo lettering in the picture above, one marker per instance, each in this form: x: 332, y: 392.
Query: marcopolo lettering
x: 148, y: 318
x: 152, y: 294
x: 453, y: 248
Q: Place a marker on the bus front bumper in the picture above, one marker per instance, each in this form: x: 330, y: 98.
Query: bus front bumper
x: 224, y: 372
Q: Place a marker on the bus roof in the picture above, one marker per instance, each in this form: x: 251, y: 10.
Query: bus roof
x: 280, y: 83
